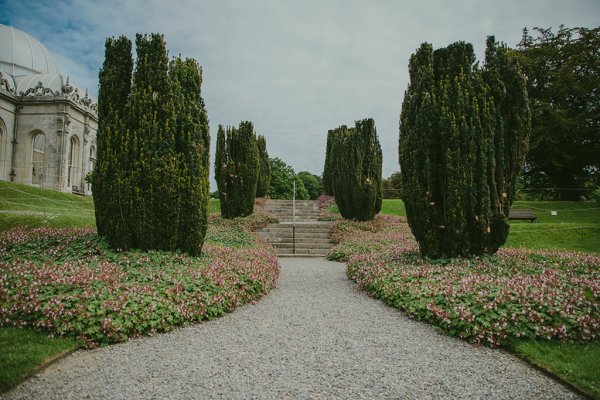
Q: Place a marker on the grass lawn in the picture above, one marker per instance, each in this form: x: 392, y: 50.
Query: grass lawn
x: 576, y: 364
x: 24, y: 350
x: 576, y: 226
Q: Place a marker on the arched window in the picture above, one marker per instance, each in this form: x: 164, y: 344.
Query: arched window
x: 92, y: 164
x: 73, y: 166
x: 37, y: 158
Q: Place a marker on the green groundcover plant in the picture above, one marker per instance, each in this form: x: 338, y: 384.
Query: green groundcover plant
x: 70, y: 283
x: 485, y: 300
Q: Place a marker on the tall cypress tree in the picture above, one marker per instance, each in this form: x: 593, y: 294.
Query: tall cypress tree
x: 458, y: 161
x: 153, y: 172
x: 192, y: 145
x: 236, y: 169
x: 112, y: 202
x: 264, y: 171
x: 153, y: 149
x: 328, y: 168
x: 357, y: 160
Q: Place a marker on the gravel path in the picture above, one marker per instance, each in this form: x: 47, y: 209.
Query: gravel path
x: 315, y: 336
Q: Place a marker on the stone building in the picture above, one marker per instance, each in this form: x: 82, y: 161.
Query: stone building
x: 47, y: 126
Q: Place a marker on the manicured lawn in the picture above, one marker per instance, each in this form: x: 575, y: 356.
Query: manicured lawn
x: 23, y: 350
x: 576, y: 227
x: 393, y: 207
x: 23, y: 205
x: 575, y: 363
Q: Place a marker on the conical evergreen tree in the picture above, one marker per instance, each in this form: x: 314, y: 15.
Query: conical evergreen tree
x: 453, y: 159
x: 152, y: 120
x: 192, y: 145
x: 151, y: 184
x: 356, y: 160
x: 328, y: 168
x: 110, y: 179
x: 264, y: 171
x: 236, y: 169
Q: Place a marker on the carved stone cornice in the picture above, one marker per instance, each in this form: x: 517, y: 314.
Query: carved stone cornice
x: 5, y: 84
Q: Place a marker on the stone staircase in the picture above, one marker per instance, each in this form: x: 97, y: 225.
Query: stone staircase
x: 312, y: 237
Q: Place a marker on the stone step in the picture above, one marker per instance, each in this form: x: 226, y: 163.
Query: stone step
x: 303, y: 253
x: 299, y: 235
x: 303, y: 246
x: 315, y: 241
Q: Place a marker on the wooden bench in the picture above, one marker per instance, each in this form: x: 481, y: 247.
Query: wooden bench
x: 522, y: 214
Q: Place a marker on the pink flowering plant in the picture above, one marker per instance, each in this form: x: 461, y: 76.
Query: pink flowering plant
x: 325, y: 204
x: 486, y: 300
x: 70, y: 283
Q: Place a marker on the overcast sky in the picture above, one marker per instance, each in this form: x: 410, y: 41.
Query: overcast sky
x: 295, y: 68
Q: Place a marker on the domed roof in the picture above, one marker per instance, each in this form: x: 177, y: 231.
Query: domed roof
x: 22, y: 54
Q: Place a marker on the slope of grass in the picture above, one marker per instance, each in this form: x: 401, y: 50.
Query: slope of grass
x: 22, y: 205
x: 23, y: 350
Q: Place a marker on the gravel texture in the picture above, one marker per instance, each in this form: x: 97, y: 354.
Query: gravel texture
x: 314, y: 336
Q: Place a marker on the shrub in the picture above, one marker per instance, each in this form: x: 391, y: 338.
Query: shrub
x: 463, y: 138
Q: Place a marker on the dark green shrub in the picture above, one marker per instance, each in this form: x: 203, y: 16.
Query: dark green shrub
x: 236, y: 169
x: 463, y: 137
x: 356, y: 159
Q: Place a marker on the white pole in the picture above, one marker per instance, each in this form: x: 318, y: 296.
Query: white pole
x: 294, y: 205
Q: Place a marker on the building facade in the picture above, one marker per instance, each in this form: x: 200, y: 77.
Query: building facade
x: 47, y: 126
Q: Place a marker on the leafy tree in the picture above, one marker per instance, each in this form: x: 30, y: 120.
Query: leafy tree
x: 282, y: 182
x: 462, y: 141
x: 312, y: 183
x: 392, y: 186
x: 356, y: 159
x: 264, y: 172
x: 563, y: 71
x: 236, y: 169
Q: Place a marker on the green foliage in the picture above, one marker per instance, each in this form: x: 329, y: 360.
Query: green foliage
x: 110, y: 177
x: 312, y: 183
x: 328, y: 169
x: 192, y: 146
x: 237, y: 166
x: 563, y: 71
x: 392, y: 186
x: 463, y: 137
x: 78, y: 287
x: 264, y: 171
x: 151, y: 183
x: 356, y: 159
x: 282, y: 182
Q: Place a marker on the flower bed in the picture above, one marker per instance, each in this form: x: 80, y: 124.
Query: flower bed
x: 486, y: 300
x: 70, y: 283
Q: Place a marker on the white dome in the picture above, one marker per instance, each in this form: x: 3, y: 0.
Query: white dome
x: 22, y: 54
